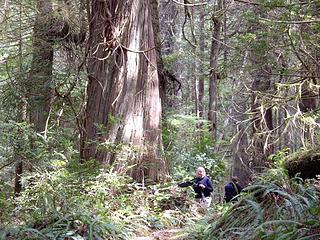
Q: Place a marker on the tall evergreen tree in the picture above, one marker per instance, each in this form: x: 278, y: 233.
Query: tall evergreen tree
x: 123, y: 105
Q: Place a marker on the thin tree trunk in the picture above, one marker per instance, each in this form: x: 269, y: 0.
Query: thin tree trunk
x: 240, y: 143
x: 309, y: 101
x: 240, y: 156
x: 168, y: 22
x: 195, y: 81
x: 213, y: 84
x: 18, y: 152
x: 201, y: 67
x: 240, y: 163
x: 262, y: 121
x: 160, y: 65
x: 40, y: 88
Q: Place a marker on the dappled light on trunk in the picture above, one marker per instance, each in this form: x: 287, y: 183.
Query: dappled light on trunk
x: 124, y: 104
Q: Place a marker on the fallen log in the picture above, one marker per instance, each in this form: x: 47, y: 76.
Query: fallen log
x: 305, y: 163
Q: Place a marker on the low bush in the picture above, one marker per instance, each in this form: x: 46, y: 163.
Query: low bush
x: 273, y: 207
x: 91, y: 201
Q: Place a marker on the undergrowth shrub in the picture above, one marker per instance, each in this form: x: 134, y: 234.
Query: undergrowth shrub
x: 273, y: 207
x: 91, y: 201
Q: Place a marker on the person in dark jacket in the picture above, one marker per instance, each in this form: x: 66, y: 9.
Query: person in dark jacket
x: 202, y: 186
x: 232, y: 189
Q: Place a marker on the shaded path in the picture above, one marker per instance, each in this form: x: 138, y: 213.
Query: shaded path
x: 171, y: 234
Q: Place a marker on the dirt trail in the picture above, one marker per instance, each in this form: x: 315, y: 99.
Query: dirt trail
x: 171, y: 234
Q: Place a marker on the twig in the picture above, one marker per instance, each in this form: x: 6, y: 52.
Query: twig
x: 248, y: 2
x: 6, y: 165
x: 189, y: 4
x: 137, y: 51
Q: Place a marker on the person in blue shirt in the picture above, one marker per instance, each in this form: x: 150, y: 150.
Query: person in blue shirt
x: 232, y: 189
x: 202, y: 186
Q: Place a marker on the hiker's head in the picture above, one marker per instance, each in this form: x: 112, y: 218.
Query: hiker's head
x: 200, y: 173
x: 234, y: 179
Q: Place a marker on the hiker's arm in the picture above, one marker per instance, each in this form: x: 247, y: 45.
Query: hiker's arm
x: 185, y: 184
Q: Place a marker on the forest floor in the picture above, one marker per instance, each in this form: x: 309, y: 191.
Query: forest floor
x: 168, y: 234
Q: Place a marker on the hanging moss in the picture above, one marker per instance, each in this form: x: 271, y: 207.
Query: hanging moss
x: 306, y: 163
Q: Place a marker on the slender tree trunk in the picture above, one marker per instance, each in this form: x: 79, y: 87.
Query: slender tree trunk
x: 123, y: 106
x: 241, y: 140
x: 18, y: 152
x: 263, y: 118
x: 17, y: 179
x: 195, y: 81
x: 309, y: 101
x: 213, y: 84
x: 240, y: 163
x: 201, y: 67
x: 240, y: 143
x: 168, y: 24
x: 193, y: 62
x: 262, y: 121
x: 40, y: 88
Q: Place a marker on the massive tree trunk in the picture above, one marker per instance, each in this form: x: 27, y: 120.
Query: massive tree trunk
x: 123, y: 105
